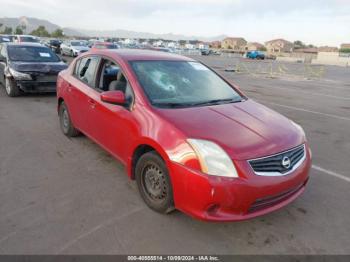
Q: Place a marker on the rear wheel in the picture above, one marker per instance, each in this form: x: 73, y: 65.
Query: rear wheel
x: 11, y: 87
x: 66, y: 124
x: 154, y: 183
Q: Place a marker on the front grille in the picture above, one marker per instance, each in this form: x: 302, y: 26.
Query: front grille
x: 270, y: 201
x: 279, y: 164
x: 47, y: 78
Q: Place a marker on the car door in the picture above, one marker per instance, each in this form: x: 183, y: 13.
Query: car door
x: 79, y: 88
x: 112, y: 125
x: 66, y: 48
x: 2, y: 63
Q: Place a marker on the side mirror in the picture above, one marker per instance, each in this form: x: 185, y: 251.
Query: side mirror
x: 113, y: 97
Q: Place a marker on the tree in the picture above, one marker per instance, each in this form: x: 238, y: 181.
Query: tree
x: 23, y: 27
x: 18, y: 31
x: 262, y: 48
x: 182, y: 42
x: 57, y: 33
x: 40, y: 31
x: 7, y: 31
x: 344, y: 50
x: 299, y: 44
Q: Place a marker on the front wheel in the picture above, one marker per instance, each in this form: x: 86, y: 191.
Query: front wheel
x: 66, y: 124
x: 154, y: 183
x: 11, y: 87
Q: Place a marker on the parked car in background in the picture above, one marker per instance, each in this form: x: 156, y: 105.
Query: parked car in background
x: 190, y: 139
x: 28, y: 68
x: 209, y: 52
x: 104, y: 45
x: 255, y: 55
x: 5, y: 39
x: 205, y: 51
x: 26, y: 39
x: 74, y: 48
x: 55, y: 45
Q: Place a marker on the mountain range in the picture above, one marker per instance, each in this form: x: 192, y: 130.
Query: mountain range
x: 33, y: 23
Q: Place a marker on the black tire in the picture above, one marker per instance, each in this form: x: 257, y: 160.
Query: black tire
x: 11, y: 87
x: 66, y: 124
x: 154, y: 183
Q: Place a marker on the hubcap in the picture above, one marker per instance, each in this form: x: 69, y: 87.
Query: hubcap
x: 65, y: 120
x: 7, y: 86
x: 154, y: 182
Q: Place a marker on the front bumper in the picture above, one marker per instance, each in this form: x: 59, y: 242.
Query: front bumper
x: 77, y: 53
x: 214, y: 198
x: 36, y: 86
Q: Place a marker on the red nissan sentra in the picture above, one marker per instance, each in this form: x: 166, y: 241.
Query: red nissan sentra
x: 191, y: 140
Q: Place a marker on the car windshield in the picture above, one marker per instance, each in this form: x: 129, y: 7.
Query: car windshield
x: 102, y: 46
x: 174, y: 84
x: 29, y: 39
x: 31, y: 54
x: 77, y: 43
x: 111, y: 46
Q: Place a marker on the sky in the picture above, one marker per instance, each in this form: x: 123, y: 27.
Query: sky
x: 319, y: 22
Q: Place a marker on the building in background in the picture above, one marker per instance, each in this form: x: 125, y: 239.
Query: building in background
x: 254, y: 46
x: 279, y: 46
x: 345, y: 47
x: 215, y: 44
x: 203, y: 45
x: 328, y: 49
x: 234, y: 43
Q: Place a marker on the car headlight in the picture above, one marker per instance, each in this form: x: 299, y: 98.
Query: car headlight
x: 213, y: 159
x: 19, y: 76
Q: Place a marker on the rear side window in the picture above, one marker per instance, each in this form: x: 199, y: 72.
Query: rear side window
x: 86, y: 69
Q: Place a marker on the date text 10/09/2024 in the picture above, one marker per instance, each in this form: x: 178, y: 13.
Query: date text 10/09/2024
x: 173, y: 258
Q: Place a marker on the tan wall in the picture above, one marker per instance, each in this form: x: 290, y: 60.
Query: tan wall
x: 331, y: 58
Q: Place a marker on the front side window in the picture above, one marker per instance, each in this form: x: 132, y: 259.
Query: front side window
x: 31, y: 54
x: 86, y: 70
x: 182, y: 84
x: 112, y: 78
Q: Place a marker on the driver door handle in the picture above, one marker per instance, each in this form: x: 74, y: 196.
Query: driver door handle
x: 92, y: 103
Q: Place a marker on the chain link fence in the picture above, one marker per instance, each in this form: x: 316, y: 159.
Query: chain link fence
x: 273, y: 69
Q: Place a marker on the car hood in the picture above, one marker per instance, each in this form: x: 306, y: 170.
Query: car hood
x: 38, y: 67
x: 80, y: 48
x: 245, y: 130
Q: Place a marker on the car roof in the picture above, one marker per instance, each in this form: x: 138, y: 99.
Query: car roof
x: 25, y: 44
x: 137, y: 54
x: 32, y: 36
x: 103, y: 43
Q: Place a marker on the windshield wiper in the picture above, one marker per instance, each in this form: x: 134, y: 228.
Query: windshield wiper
x: 170, y: 105
x: 217, y: 102
x: 209, y: 102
